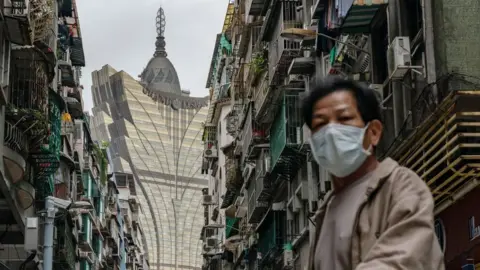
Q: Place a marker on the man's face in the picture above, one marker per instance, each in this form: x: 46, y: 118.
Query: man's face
x: 340, y: 107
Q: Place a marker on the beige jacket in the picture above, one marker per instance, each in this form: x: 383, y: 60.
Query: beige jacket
x: 394, y: 225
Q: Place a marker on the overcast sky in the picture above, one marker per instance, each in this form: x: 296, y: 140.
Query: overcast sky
x: 122, y: 33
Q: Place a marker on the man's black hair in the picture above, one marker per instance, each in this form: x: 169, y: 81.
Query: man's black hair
x: 367, y: 101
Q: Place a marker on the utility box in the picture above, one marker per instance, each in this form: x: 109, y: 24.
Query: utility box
x: 31, y: 234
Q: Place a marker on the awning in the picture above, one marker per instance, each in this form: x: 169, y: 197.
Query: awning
x: 302, y: 65
x: 361, y: 15
x: 230, y: 225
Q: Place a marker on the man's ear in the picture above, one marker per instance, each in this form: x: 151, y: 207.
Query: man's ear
x: 375, y: 130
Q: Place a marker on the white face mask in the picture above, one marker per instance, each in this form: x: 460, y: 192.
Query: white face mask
x: 339, y: 148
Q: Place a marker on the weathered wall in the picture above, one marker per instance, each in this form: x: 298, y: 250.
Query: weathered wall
x: 457, y: 49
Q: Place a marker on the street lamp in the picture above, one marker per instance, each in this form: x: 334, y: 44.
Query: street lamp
x: 303, y: 34
x: 52, y: 205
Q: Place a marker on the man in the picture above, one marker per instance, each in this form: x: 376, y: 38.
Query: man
x: 379, y: 215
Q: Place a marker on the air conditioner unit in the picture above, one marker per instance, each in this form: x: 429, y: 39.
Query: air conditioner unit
x: 212, y: 242
x: 211, y: 153
x: 208, y: 200
x: 295, y: 79
x: 399, y: 57
x: 378, y: 89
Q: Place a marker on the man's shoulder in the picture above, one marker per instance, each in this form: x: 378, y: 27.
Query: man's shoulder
x: 406, y: 182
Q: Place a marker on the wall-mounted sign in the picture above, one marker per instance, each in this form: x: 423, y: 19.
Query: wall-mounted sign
x: 474, y: 230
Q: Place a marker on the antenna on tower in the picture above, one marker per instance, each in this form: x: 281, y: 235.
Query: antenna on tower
x: 160, y: 43
x: 161, y: 22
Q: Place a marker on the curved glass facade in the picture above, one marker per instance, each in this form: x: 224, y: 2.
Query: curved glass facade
x: 159, y: 141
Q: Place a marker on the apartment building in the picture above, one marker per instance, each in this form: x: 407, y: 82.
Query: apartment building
x: 46, y: 144
x: 425, y: 83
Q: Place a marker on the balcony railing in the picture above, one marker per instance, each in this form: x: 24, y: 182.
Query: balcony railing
x: 256, y: 209
x: 28, y: 82
x: 16, y: 139
x: 282, y: 51
x: 272, y: 235
x: 287, y: 138
x: 64, y: 246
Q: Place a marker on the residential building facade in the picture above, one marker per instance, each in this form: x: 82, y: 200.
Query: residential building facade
x: 47, y: 147
x: 155, y: 133
x: 425, y: 80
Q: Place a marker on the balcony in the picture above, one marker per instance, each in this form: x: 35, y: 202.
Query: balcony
x: 75, y: 92
x: 77, y: 54
x: 64, y: 246
x: 287, y: 144
x: 444, y: 150
x: 282, y: 51
x: 259, y: 192
x: 256, y: 209
x: 272, y: 236
x: 254, y: 138
x: 17, y: 20
x: 258, y: 67
x: 360, y: 16
x: 67, y: 73
x: 86, y: 235
x: 257, y: 7
x: 15, y: 152
x: 29, y: 92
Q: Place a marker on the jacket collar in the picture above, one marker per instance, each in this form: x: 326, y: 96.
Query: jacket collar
x: 380, y: 174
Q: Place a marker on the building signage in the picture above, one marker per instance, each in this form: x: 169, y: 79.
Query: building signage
x: 474, y: 230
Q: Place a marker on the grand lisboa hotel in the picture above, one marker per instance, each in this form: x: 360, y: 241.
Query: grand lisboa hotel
x: 155, y: 133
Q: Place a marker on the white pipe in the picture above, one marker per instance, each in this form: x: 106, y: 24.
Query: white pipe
x: 457, y: 196
x: 428, y: 37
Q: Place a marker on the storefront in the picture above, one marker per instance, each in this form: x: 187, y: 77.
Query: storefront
x: 458, y: 230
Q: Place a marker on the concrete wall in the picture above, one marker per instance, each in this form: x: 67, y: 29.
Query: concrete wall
x: 456, y: 25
